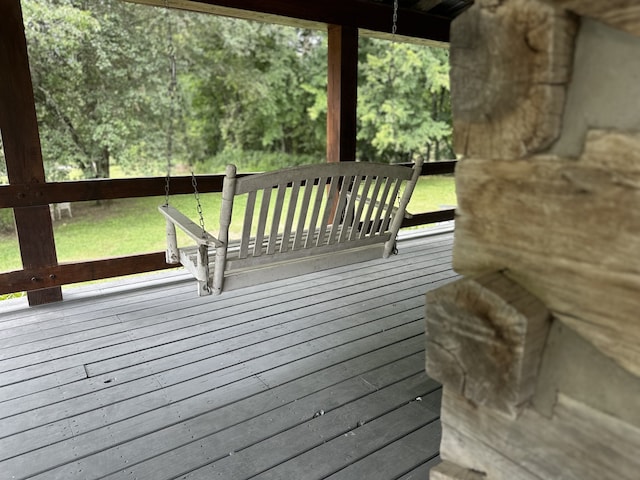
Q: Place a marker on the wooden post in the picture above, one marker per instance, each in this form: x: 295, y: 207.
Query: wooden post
x: 342, y: 93
x: 172, y: 253
x: 228, y: 192
x: 22, y: 151
x: 342, y: 96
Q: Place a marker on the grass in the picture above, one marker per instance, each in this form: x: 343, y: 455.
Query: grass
x: 133, y: 226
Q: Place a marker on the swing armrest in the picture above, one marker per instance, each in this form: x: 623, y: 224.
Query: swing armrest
x: 189, y: 227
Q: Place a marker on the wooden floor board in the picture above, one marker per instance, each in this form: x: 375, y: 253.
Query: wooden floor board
x: 86, y: 352
x: 254, y: 422
x: 421, y: 472
x: 40, y: 383
x: 135, y: 398
x: 137, y: 358
x: 358, y: 446
x: 393, y: 460
x: 334, y: 424
x: 137, y: 301
x: 143, y: 379
x: 207, y: 345
x: 251, y: 332
x: 114, y: 327
x: 119, y: 431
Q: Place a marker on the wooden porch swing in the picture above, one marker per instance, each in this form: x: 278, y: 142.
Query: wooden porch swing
x: 335, y: 214
x: 323, y: 216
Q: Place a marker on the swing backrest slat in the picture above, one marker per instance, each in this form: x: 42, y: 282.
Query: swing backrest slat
x: 246, y: 227
x: 302, y: 218
x: 350, y: 207
x: 291, y: 211
x: 315, y: 212
x: 275, y: 223
x: 366, y: 225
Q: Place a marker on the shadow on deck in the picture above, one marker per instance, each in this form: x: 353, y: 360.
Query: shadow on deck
x: 321, y: 376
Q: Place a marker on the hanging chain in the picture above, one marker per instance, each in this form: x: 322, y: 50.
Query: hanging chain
x: 391, y: 72
x: 166, y: 186
x: 394, y: 28
x: 172, y: 96
x: 196, y: 194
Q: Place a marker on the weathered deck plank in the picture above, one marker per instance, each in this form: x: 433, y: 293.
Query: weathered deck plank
x: 396, y: 457
x: 76, y: 320
x: 158, y: 383
x: 63, y: 357
x: 368, y: 435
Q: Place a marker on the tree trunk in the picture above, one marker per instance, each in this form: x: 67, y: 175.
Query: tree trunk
x: 102, y: 166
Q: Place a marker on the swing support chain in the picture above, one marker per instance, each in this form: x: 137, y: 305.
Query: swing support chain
x: 173, y: 85
x: 196, y: 194
x: 172, y: 98
x: 394, y: 28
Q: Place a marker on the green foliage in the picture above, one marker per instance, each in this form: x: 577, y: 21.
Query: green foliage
x: 250, y: 95
x: 403, y: 102
x: 106, y: 96
x: 254, y: 161
x: 98, y: 83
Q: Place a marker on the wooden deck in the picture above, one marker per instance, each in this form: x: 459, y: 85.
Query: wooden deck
x: 321, y: 376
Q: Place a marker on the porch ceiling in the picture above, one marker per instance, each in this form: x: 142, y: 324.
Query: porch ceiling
x: 421, y: 21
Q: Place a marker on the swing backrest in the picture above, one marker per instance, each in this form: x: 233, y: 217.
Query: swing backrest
x: 298, y: 215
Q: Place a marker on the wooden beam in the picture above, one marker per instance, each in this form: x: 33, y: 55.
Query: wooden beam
x: 21, y: 141
x: 577, y: 443
x: 53, y: 276
x: 587, y: 270
x: 429, y: 217
x: 438, y: 168
x: 32, y: 194
x: 373, y: 18
x: 342, y: 93
x: 27, y: 194
x: 500, y: 109
x: 622, y: 14
x: 485, y: 337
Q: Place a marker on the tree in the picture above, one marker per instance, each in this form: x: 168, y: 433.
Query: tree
x: 403, y: 102
x: 97, y: 81
x: 134, y: 85
x: 246, y: 87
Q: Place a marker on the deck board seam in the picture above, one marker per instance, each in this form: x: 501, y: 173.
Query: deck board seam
x: 418, y: 270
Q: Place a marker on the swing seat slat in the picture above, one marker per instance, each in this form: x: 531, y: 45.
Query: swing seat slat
x: 295, y: 221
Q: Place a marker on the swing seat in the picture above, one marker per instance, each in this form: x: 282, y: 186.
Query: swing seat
x: 294, y: 221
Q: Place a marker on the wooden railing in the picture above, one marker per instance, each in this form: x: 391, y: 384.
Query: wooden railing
x: 43, y: 194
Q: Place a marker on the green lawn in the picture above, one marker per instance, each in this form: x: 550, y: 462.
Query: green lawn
x: 131, y: 226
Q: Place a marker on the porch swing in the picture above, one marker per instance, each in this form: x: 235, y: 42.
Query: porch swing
x: 294, y: 221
